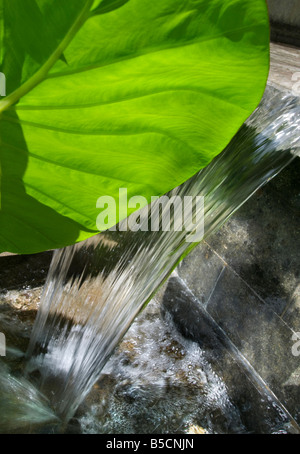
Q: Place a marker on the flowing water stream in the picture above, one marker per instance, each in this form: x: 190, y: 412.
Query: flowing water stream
x: 96, y: 288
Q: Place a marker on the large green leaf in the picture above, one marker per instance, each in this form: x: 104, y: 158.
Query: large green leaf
x: 112, y: 94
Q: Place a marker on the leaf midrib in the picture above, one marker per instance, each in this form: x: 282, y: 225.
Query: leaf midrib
x: 41, y: 74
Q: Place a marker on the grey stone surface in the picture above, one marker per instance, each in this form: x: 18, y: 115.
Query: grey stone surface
x: 202, y: 263
x: 260, y: 336
x: 261, y: 243
x: 251, y: 286
x: 259, y: 410
x: 285, y: 67
x: 285, y: 21
x: 285, y: 11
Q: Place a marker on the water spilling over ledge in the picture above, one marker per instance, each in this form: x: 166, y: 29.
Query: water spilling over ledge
x: 96, y: 288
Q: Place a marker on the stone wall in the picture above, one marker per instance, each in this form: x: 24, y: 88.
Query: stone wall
x: 285, y: 21
x: 285, y: 11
